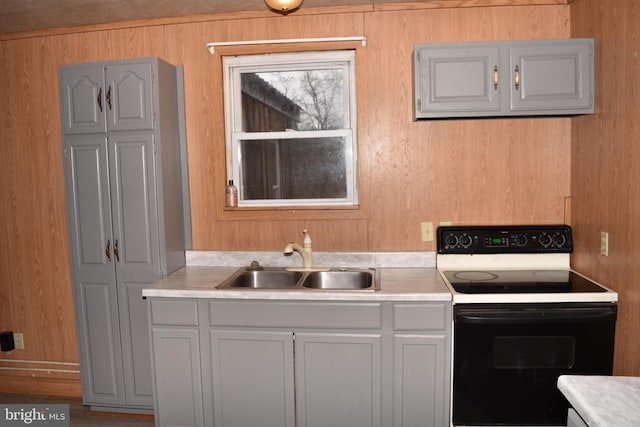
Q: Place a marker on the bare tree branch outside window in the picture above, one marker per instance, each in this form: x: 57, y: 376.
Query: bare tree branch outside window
x: 318, y: 93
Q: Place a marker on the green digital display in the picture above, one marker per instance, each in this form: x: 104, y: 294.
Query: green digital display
x: 496, y: 241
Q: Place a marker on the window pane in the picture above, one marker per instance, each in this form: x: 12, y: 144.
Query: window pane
x: 293, y: 100
x: 304, y: 168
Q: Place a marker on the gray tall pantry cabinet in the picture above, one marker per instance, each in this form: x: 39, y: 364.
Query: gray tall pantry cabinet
x: 123, y: 185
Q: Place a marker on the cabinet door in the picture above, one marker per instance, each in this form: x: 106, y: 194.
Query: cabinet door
x: 135, y: 210
x: 89, y: 220
x: 136, y: 346
x: 552, y: 76
x: 83, y: 100
x: 129, y: 96
x: 338, y: 379
x: 177, y: 377
x: 456, y: 79
x: 252, y: 377
x: 421, y: 381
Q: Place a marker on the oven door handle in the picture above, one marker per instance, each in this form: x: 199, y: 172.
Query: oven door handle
x: 542, y: 315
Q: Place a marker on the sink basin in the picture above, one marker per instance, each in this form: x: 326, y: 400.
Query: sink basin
x: 330, y: 279
x: 266, y: 278
x: 340, y: 279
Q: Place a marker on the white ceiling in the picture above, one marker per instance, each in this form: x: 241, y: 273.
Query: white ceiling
x: 33, y: 15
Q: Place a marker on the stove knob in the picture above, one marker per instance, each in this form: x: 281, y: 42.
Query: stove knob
x: 451, y: 241
x: 545, y: 240
x: 559, y: 240
x: 521, y: 240
x: 466, y: 241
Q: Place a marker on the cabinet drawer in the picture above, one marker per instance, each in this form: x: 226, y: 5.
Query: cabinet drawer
x: 420, y: 317
x: 171, y: 312
x: 296, y: 315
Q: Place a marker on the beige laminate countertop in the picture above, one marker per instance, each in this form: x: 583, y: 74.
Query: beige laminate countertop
x: 603, y: 401
x: 396, y: 284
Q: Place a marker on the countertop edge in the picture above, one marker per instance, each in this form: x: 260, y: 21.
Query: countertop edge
x: 302, y: 295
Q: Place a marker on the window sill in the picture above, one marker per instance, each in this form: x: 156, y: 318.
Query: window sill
x: 291, y: 212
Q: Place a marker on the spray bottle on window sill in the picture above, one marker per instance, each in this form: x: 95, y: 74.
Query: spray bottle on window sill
x: 232, y: 195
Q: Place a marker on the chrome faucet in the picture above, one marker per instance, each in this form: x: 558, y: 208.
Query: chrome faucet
x: 305, y: 250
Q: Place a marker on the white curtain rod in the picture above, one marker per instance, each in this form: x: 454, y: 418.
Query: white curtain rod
x: 212, y: 46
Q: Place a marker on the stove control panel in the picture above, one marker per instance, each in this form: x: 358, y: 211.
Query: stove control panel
x: 504, y: 239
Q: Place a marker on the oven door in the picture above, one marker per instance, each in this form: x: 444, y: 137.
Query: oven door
x: 507, y: 359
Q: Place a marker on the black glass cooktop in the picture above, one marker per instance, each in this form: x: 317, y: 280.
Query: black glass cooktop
x: 519, y: 281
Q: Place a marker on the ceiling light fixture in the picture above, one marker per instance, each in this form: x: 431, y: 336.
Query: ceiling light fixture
x: 283, y: 6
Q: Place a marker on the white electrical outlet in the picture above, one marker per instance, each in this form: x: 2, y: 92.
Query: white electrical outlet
x: 18, y: 340
x: 604, y: 243
x: 427, y: 231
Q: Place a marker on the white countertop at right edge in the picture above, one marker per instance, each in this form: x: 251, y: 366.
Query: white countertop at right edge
x: 603, y: 401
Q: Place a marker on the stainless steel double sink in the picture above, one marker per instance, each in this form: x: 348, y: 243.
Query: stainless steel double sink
x: 330, y: 279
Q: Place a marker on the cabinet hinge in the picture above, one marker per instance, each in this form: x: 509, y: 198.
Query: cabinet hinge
x: 419, y: 102
x: 155, y: 147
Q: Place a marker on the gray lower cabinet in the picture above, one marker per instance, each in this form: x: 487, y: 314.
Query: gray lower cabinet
x: 338, y: 379
x: 506, y: 78
x: 124, y: 214
x: 177, y: 375
x: 176, y: 363
x: 305, y: 364
x: 256, y: 367
x: 421, y: 364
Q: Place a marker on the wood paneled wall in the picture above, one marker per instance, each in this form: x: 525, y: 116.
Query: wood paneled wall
x: 472, y: 171
x: 606, y: 166
x: 465, y: 171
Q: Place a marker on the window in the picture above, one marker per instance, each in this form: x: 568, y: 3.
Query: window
x: 290, y: 128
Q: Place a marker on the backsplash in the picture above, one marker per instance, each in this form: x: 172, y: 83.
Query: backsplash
x: 321, y: 259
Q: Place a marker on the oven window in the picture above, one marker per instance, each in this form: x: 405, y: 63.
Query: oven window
x: 531, y: 352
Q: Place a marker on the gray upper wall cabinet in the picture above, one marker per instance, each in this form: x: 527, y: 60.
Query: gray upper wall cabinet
x: 505, y: 78
x: 125, y: 217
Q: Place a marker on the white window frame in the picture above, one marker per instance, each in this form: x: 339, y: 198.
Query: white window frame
x: 233, y: 66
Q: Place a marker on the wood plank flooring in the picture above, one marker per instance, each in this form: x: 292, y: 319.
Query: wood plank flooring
x: 80, y: 415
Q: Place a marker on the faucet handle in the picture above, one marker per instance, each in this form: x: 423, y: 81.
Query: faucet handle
x: 307, y: 239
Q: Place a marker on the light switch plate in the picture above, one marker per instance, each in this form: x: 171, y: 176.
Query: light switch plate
x: 427, y: 231
x: 18, y: 340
